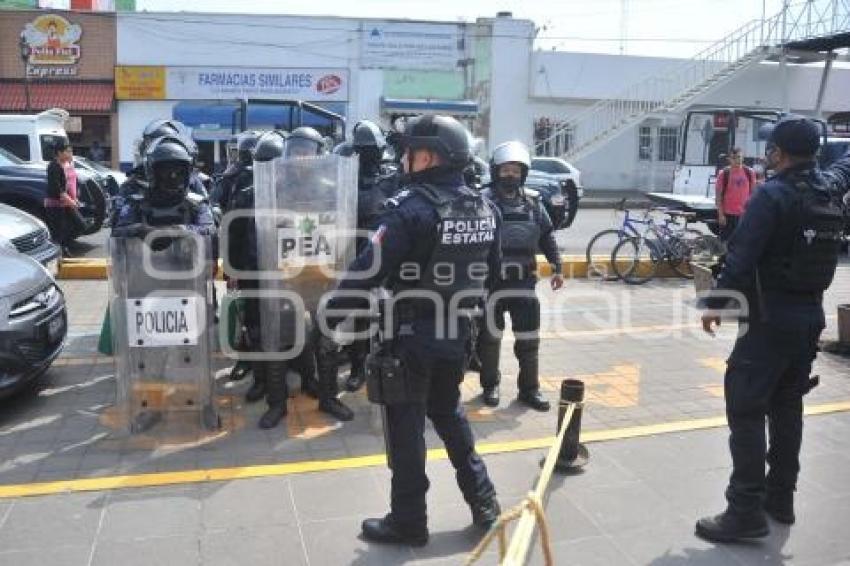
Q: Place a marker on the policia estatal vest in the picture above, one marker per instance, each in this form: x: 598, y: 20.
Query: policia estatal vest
x: 781, y: 259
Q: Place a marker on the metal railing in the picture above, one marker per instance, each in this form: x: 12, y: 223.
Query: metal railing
x: 681, y: 83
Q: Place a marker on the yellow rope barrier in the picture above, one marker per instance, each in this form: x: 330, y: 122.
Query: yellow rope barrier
x: 530, y: 512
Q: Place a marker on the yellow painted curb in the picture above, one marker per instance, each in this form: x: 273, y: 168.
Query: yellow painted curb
x: 572, y: 267
x: 270, y: 470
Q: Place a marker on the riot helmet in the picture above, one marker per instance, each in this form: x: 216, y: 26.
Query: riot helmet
x: 157, y: 129
x: 443, y: 135
x: 509, y: 152
x: 168, y: 166
x: 270, y: 145
x: 344, y: 149
x: 369, y: 143
x: 245, y: 144
x: 305, y: 142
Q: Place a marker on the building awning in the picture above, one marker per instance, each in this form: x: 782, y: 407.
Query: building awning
x: 73, y: 97
x: 429, y: 106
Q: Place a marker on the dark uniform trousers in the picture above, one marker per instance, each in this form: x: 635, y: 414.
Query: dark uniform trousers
x: 767, y: 376
x: 525, y: 318
x: 441, y: 373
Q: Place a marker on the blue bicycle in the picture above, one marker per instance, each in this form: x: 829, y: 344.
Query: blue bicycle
x: 601, y: 247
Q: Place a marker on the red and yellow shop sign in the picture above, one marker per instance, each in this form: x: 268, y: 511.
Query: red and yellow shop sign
x: 140, y: 83
x: 51, y: 46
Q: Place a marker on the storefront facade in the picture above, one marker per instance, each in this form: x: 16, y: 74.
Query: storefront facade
x: 57, y: 59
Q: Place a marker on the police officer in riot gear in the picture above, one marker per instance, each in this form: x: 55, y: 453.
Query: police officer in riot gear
x: 239, y: 174
x: 137, y: 178
x: 303, y: 142
x: 374, y: 186
x: 526, y: 229
x: 434, y: 226
x: 163, y: 196
x: 780, y: 260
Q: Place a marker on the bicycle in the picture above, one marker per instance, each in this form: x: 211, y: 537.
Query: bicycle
x: 635, y: 260
x: 602, y: 244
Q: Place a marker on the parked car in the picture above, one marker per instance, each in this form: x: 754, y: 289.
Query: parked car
x: 33, y: 321
x: 24, y: 233
x: 24, y: 186
x: 114, y: 179
x: 560, y: 169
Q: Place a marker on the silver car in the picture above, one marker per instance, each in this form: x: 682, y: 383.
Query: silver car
x: 24, y: 233
x: 33, y: 320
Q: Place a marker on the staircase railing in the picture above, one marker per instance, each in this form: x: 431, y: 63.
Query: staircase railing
x: 682, y: 82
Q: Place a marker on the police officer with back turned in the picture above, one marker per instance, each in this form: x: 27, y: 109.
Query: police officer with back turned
x: 526, y: 228
x: 437, y: 241
x: 781, y: 259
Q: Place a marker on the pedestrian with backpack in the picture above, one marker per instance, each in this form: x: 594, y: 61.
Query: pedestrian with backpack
x: 735, y: 184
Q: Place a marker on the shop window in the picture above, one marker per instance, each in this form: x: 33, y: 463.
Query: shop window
x: 645, y: 143
x: 668, y: 144
x: 17, y: 144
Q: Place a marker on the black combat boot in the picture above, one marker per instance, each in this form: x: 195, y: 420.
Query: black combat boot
x: 730, y: 526
x: 386, y: 530
x: 356, y: 379
x: 272, y: 417
x: 485, y: 512
x: 534, y: 399
x: 336, y: 408
x: 490, y: 396
x: 275, y: 395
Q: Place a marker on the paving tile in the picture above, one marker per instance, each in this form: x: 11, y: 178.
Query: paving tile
x: 590, y: 551
x: 618, y: 508
x: 337, y: 541
x: 47, y: 556
x: 152, y: 512
x: 260, y: 546
x: 170, y: 550
x: 52, y: 521
x: 246, y: 504
x: 309, y: 504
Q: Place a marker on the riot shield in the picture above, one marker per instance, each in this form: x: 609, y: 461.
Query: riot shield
x: 161, y: 309
x: 306, y: 214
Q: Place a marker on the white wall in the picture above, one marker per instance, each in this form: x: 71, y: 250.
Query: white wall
x: 133, y: 116
x: 259, y: 40
x: 510, y: 50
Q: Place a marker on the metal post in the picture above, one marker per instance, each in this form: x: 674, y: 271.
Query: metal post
x: 783, y: 68
x: 824, y: 78
x: 572, y: 455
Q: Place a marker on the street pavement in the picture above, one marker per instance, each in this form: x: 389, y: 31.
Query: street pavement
x: 647, y: 368
x: 635, y: 504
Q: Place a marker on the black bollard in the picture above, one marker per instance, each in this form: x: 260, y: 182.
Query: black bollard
x: 572, y: 455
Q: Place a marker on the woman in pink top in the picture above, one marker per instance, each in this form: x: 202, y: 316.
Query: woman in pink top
x: 734, y: 186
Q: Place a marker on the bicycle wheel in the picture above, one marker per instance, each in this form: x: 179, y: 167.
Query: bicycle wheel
x: 598, y: 254
x: 635, y: 260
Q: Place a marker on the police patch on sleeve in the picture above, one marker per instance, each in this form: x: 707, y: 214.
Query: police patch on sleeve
x: 460, y: 231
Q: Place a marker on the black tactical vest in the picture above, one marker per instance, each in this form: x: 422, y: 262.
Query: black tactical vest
x: 465, y: 232
x: 520, y: 236
x: 809, y: 264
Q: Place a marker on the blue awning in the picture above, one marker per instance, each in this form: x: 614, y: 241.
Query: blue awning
x: 217, y: 120
x: 429, y: 106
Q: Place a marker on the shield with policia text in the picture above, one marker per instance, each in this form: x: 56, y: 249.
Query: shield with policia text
x: 161, y: 307
x: 306, y: 212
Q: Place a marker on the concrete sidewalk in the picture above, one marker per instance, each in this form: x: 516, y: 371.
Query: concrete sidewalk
x: 635, y: 504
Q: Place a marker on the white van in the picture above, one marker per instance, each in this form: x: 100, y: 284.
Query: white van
x: 32, y: 137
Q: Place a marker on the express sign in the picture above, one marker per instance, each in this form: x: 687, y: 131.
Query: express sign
x: 51, y: 45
